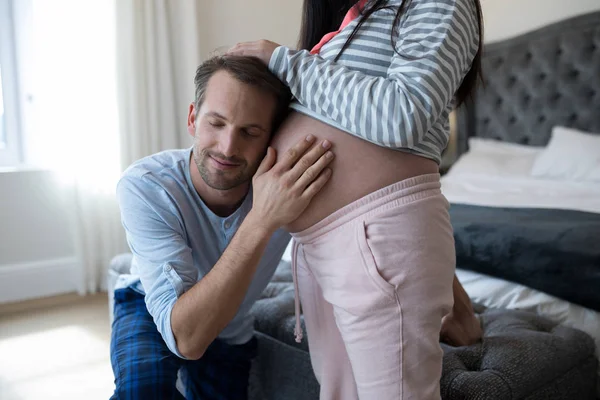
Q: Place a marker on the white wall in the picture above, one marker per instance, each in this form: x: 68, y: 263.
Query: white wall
x: 37, y: 250
x: 42, y: 229
x: 227, y: 22
x: 507, y: 18
x: 230, y: 21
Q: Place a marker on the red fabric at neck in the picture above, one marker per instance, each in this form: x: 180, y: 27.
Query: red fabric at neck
x: 351, y: 15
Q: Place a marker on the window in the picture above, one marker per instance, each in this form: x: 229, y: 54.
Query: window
x: 10, y: 135
x: 55, y: 67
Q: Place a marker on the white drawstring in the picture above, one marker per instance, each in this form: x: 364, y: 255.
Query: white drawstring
x: 298, y: 329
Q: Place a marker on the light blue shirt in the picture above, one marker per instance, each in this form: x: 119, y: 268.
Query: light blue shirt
x: 176, y: 240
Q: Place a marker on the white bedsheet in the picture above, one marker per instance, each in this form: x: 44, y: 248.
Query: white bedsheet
x: 521, y: 192
x: 525, y: 192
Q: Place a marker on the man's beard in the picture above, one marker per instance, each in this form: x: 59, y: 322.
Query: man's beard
x: 223, y: 180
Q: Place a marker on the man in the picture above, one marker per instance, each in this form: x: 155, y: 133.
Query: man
x: 203, y: 226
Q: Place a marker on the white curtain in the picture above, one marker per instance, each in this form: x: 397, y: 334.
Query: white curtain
x: 111, y: 82
x: 158, y: 51
x: 71, y: 121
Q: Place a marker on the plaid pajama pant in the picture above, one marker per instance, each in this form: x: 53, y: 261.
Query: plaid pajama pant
x: 145, y: 368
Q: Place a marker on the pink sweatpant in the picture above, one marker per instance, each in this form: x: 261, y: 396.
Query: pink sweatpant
x: 375, y: 280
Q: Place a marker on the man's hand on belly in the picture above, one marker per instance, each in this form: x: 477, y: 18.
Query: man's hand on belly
x: 284, y: 188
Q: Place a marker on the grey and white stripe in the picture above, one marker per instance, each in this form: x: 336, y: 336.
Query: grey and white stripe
x: 399, y: 100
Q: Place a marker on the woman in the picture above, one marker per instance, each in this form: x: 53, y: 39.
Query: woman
x: 374, y: 252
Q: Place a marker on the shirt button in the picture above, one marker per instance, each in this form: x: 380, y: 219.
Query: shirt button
x: 168, y: 268
x: 227, y: 224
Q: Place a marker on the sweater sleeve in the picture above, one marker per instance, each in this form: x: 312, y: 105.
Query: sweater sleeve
x: 164, y: 260
x: 436, y: 44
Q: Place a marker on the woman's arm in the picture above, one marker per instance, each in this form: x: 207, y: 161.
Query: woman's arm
x: 437, y: 42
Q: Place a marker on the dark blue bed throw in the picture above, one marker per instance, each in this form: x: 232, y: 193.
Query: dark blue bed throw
x: 554, y: 251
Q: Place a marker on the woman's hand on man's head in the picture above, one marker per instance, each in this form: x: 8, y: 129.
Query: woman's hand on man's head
x: 262, y: 49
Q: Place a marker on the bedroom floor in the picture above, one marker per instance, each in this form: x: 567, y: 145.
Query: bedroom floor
x: 56, y: 349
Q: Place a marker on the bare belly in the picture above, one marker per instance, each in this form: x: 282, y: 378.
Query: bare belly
x: 359, y: 167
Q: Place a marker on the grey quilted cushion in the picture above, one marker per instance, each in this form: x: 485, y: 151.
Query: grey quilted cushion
x: 274, y: 311
x: 522, y: 356
x: 121, y: 264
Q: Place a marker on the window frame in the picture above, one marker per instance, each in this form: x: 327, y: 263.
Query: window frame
x: 11, y: 154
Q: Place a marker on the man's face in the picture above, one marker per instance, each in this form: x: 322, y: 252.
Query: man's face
x: 231, y: 131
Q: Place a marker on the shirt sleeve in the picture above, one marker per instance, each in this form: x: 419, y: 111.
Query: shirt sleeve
x: 437, y: 42
x: 161, y: 254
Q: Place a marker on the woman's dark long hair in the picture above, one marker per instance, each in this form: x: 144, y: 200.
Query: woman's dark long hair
x: 323, y: 16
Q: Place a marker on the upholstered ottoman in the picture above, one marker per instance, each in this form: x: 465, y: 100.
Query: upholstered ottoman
x: 522, y: 355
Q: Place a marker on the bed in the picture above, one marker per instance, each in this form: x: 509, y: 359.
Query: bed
x: 525, y: 188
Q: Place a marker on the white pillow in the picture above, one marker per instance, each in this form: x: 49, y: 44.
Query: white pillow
x: 571, y: 155
x: 493, y: 158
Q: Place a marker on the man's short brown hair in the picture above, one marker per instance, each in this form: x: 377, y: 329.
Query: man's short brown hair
x: 249, y: 70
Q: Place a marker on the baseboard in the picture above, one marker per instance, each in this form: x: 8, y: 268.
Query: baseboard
x: 38, y: 279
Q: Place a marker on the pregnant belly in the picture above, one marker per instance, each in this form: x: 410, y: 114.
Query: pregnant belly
x: 359, y: 167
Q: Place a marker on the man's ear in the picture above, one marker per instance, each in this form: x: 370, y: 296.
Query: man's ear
x: 191, y: 122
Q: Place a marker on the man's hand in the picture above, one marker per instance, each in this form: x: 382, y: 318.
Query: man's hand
x: 262, y: 49
x: 283, y: 189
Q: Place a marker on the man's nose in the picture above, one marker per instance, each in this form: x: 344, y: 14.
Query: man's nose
x: 229, y: 143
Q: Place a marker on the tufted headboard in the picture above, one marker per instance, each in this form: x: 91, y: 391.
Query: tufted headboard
x: 547, y: 77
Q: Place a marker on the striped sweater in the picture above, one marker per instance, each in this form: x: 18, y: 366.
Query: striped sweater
x: 400, y: 100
